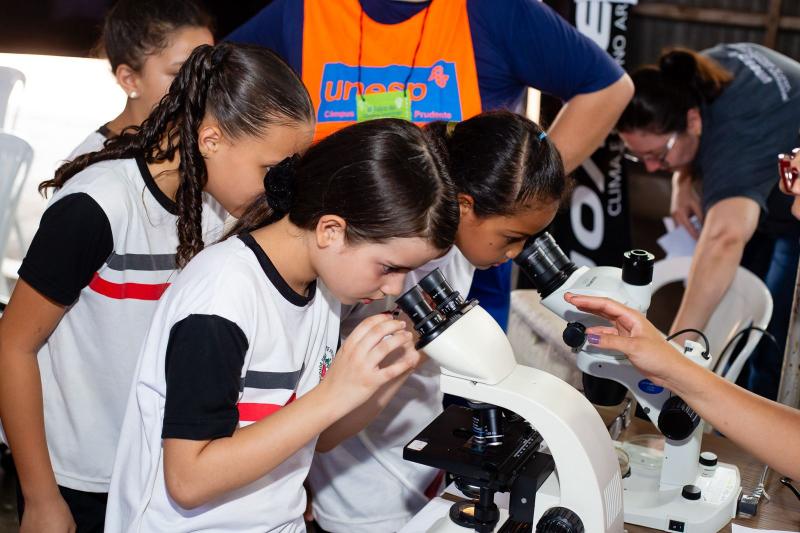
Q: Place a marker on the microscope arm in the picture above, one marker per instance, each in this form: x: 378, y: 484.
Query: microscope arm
x: 649, y: 396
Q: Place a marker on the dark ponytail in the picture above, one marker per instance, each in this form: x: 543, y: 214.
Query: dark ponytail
x: 383, y: 177
x: 246, y: 89
x: 502, y: 160
x: 682, y: 80
x: 135, y: 29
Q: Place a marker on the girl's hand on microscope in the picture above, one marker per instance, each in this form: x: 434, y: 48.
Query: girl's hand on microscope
x: 635, y: 336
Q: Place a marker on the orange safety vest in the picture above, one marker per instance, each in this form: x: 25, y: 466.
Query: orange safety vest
x: 443, y: 86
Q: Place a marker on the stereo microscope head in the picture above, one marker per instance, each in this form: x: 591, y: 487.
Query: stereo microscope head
x: 553, y: 274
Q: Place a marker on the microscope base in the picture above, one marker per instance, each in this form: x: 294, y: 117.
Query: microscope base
x: 546, y: 497
x: 445, y: 525
x: 666, y: 509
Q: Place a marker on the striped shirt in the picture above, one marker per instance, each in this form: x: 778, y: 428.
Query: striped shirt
x: 105, y: 249
x: 231, y: 343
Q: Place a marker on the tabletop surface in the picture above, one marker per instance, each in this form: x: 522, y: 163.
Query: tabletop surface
x: 781, y: 512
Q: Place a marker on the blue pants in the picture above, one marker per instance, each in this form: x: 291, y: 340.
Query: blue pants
x: 492, y: 288
x: 774, y: 260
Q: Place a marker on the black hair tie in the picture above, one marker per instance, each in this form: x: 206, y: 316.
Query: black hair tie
x: 278, y: 184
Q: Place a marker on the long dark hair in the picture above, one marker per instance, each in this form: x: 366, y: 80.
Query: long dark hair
x: 134, y: 29
x: 682, y: 80
x: 383, y: 177
x: 246, y: 88
x: 502, y: 160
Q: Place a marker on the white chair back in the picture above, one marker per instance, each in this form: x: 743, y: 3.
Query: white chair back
x: 12, y: 83
x: 746, y: 303
x: 15, y: 162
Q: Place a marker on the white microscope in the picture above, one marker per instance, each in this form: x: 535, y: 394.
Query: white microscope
x: 495, y: 446
x: 690, y: 492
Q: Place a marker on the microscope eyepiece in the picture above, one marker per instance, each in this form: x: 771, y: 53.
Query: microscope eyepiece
x: 447, y: 300
x: 424, y: 317
x: 637, y: 267
x: 414, y: 304
x: 545, y: 263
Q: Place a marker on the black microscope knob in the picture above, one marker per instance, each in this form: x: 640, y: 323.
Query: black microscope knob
x: 559, y: 520
x: 574, y: 334
x: 691, y: 492
x: 677, y: 420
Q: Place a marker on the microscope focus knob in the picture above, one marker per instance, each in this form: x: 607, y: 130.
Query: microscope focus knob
x: 677, y: 420
x: 559, y: 520
x: 574, y: 335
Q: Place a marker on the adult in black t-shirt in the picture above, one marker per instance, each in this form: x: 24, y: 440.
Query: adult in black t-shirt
x: 722, y: 116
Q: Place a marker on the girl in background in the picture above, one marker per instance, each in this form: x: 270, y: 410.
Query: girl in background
x: 510, y: 180
x: 146, y: 42
x: 120, y: 223
x: 235, y: 386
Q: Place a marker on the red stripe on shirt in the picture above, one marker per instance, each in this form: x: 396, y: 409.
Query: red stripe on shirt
x: 253, y: 412
x: 131, y: 291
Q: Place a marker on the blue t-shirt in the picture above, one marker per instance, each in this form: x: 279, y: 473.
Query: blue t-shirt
x: 755, y: 118
x: 517, y: 44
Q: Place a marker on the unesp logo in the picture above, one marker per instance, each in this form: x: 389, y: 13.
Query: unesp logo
x: 431, y: 90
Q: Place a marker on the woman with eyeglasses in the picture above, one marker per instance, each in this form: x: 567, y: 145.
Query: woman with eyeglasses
x: 719, y: 117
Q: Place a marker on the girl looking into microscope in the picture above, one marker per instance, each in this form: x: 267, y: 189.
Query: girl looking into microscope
x: 510, y: 180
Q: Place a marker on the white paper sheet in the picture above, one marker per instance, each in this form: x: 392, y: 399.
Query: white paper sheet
x: 677, y: 242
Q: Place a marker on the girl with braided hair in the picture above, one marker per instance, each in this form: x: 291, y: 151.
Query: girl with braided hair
x: 241, y: 377
x: 119, y: 224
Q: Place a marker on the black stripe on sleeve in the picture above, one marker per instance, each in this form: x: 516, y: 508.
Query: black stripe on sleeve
x: 204, y: 359
x: 73, y: 241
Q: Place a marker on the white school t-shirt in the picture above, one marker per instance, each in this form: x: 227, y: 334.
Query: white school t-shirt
x: 234, y: 343
x: 364, y: 484
x: 92, y: 143
x: 105, y: 249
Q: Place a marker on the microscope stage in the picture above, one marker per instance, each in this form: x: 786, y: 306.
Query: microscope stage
x: 448, y: 443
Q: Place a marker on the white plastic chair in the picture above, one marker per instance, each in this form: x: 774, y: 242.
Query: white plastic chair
x: 15, y: 162
x: 12, y: 82
x: 747, y: 303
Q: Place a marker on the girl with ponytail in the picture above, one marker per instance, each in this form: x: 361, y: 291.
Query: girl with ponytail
x: 719, y: 118
x: 146, y: 42
x: 241, y: 375
x: 509, y: 182
x: 119, y: 224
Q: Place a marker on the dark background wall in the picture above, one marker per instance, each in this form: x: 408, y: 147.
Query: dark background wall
x: 71, y: 27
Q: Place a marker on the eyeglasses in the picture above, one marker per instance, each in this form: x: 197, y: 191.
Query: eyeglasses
x: 787, y: 171
x: 660, y: 159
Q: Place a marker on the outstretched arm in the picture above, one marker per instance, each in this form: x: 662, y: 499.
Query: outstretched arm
x: 742, y: 416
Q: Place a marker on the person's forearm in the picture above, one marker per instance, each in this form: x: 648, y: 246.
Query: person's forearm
x: 584, y: 122
x: 712, y: 271
x: 360, y: 418
x: 681, y: 176
x: 218, y: 467
x: 22, y: 414
x: 768, y: 430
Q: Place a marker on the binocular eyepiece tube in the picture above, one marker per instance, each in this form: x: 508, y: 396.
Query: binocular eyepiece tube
x: 431, y: 303
x: 545, y: 264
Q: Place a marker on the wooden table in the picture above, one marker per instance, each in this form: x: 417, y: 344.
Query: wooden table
x: 781, y: 512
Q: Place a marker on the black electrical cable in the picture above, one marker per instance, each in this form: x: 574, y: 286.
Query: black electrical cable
x: 788, y: 483
x: 692, y: 330
x: 764, y: 332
